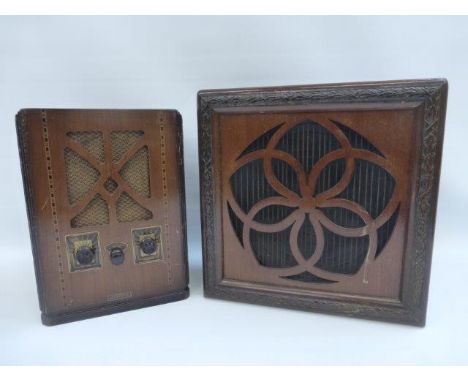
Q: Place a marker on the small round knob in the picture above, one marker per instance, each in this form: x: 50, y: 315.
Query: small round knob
x: 148, y: 246
x: 85, y: 255
x: 117, y: 256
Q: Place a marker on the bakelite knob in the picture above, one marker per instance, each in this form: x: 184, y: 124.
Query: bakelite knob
x: 148, y: 246
x: 117, y: 256
x: 85, y: 255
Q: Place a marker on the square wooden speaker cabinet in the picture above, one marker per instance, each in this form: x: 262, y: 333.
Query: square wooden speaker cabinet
x: 106, y: 206
x: 322, y: 197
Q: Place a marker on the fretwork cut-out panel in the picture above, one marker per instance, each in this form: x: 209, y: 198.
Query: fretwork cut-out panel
x: 132, y: 162
x: 311, y: 199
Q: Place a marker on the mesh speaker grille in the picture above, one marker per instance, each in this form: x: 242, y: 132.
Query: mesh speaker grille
x: 95, y: 213
x: 81, y: 176
x: 91, y: 141
x: 122, y: 141
x: 129, y: 210
x: 136, y: 172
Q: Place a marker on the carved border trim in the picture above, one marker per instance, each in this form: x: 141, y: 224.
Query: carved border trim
x: 431, y: 93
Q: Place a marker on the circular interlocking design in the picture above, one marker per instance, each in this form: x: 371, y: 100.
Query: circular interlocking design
x: 306, y: 196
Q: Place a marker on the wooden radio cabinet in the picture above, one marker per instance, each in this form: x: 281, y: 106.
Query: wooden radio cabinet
x: 106, y: 206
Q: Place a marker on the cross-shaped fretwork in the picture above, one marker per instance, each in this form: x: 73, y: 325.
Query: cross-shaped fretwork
x: 108, y: 169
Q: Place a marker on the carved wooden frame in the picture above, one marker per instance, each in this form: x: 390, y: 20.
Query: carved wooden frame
x: 431, y: 95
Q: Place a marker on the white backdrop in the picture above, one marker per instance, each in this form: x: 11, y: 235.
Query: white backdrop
x: 161, y: 62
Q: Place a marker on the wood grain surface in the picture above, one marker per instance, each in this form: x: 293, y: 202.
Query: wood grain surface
x: 46, y: 138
